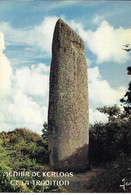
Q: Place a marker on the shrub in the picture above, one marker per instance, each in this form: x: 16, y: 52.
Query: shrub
x: 111, y: 179
x: 21, y: 150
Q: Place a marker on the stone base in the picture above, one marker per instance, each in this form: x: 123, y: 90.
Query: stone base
x: 77, y: 162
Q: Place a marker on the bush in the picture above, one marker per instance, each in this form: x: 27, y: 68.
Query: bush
x: 108, y: 141
x: 111, y: 179
x: 21, y: 150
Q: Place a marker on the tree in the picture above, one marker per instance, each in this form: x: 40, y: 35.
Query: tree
x: 45, y: 131
x: 126, y: 100
x: 111, y: 140
x: 112, y: 112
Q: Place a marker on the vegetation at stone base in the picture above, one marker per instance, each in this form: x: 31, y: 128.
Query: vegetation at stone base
x: 111, y: 179
x: 110, y: 147
x: 23, y: 150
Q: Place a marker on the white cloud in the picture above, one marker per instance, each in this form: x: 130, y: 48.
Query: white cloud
x: 21, y: 111
x: 44, y: 33
x: 2, y: 44
x: 100, y: 92
x: 96, y: 116
x: 38, y: 36
x: 33, y: 81
x: 27, y: 113
x: 97, y: 19
x: 5, y: 70
x: 18, y: 109
x: 106, y: 42
x: 4, y: 115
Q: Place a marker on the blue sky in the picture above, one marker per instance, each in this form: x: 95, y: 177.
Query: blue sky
x: 26, y: 30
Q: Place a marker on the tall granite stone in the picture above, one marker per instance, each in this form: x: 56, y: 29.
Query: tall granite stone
x: 68, y: 102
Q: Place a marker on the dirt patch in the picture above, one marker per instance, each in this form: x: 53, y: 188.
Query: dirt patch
x: 79, y: 181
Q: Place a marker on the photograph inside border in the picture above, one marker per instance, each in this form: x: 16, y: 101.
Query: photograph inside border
x: 65, y: 96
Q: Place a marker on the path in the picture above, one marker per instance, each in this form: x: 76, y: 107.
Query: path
x: 79, y: 182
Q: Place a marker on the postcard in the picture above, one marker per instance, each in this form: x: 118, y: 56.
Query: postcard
x: 65, y: 96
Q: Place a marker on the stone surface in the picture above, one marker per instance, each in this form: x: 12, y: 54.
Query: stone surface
x: 68, y: 102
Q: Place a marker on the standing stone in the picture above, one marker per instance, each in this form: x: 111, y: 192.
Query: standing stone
x: 68, y: 102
